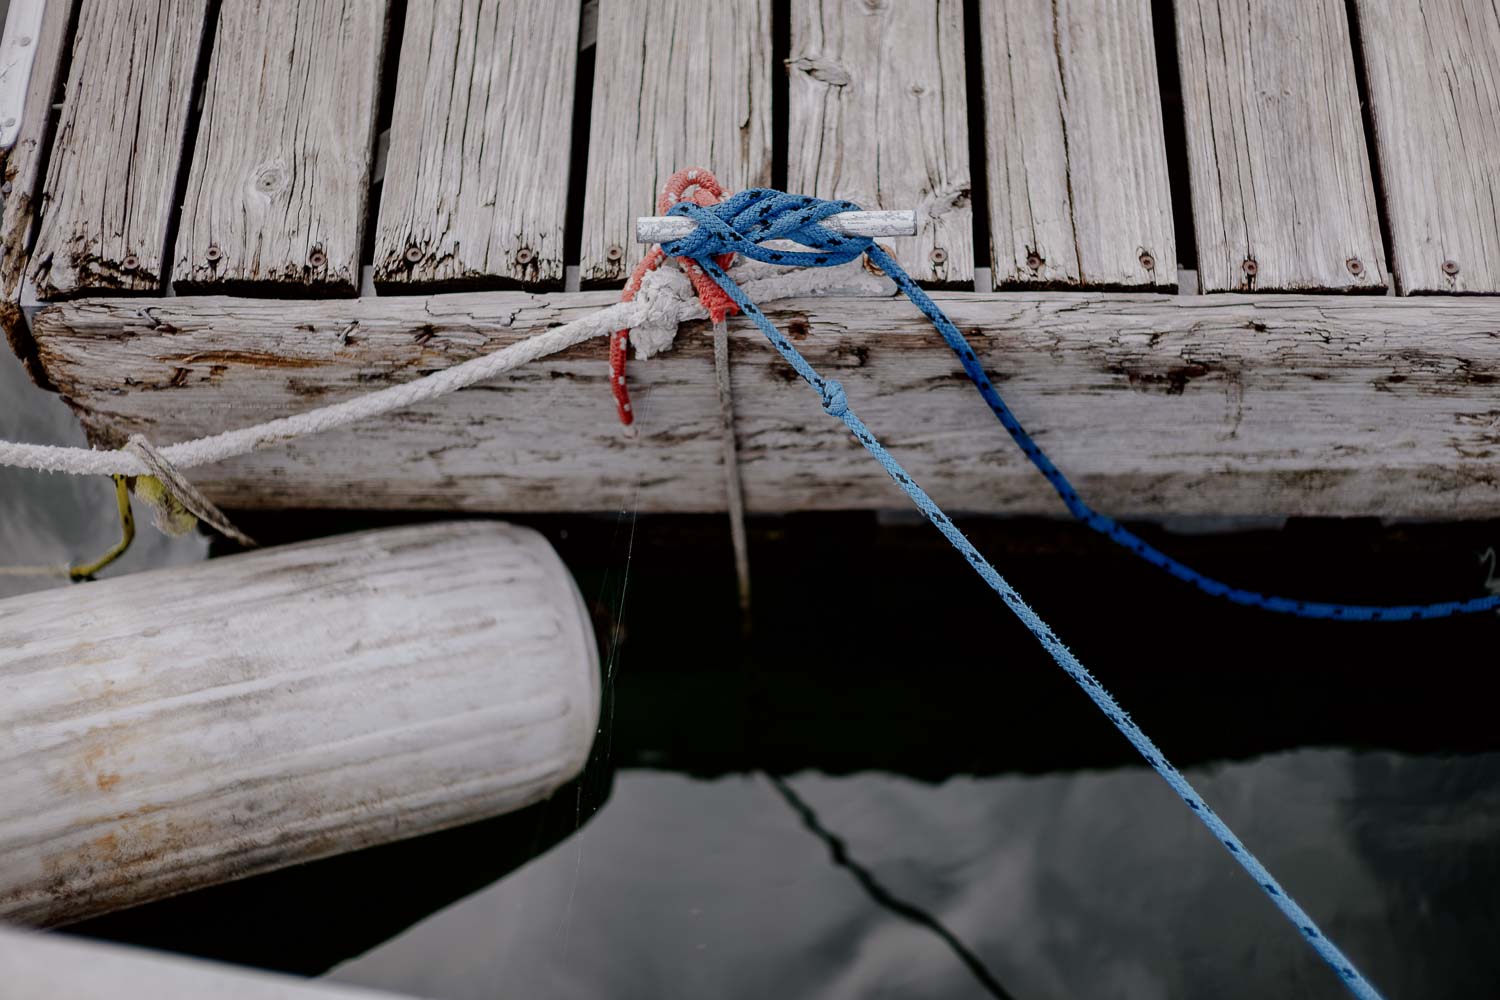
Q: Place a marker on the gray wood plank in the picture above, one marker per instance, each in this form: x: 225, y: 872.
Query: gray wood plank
x: 476, y: 181
x: 879, y: 116
x: 1281, y: 185
x: 1434, y: 74
x: 20, y: 166
x: 677, y: 83
x: 1153, y: 404
x: 1075, y: 157
x: 281, y: 173
x: 112, y: 176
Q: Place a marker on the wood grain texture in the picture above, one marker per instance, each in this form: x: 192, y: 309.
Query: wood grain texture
x: 476, y: 181
x: 1076, y: 159
x: 1434, y: 75
x: 57, y: 965
x: 1154, y: 405
x: 112, y: 175
x: 879, y: 117
x: 20, y: 166
x: 1276, y: 148
x: 184, y: 727
x: 677, y: 83
x: 281, y: 172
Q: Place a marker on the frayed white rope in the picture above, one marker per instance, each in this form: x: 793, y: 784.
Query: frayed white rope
x: 665, y: 300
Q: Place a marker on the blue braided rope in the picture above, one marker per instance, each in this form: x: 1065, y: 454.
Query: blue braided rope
x: 765, y: 215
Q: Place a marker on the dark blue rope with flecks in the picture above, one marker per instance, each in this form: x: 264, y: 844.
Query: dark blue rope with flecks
x: 744, y: 221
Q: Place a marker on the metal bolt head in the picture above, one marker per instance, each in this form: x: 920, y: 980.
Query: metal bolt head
x: 614, y: 253
x: 939, y: 256
x: 213, y: 254
x: 129, y: 262
x: 413, y: 254
x: 1034, y: 260
x: 1250, y: 267
x: 1355, y: 265
x: 525, y: 256
x: 1450, y: 267
x: 317, y: 258
x: 1148, y: 261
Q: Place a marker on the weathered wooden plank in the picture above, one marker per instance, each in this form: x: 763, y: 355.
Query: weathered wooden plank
x: 677, y: 83
x: 879, y: 116
x: 1076, y: 159
x: 56, y: 965
x: 188, y: 726
x: 1281, y: 186
x: 112, y: 175
x: 281, y: 171
x: 1277, y: 405
x: 1433, y: 67
x: 477, y: 178
x: 21, y: 164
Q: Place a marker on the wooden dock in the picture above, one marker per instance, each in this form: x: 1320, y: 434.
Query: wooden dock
x: 1220, y: 259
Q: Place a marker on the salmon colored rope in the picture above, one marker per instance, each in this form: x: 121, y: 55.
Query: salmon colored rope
x: 714, y: 299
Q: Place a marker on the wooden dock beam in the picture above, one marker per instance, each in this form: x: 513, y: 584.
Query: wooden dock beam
x: 1154, y: 405
x: 175, y: 729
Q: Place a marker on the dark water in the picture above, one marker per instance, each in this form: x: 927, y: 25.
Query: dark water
x: 952, y: 818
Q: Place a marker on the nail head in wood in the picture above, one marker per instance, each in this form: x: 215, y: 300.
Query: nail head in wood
x: 1250, y: 267
x: 317, y: 258
x: 213, y: 254
x: 413, y: 254
x: 665, y: 228
x: 1034, y: 260
x: 615, y: 252
x: 939, y: 256
x: 1148, y: 261
x: 1450, y: 267
x: 524, y: 256
x: 130, y: 262
x: 1355, y: 265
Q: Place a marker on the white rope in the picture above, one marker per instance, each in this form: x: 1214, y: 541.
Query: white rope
x: 665, y: 300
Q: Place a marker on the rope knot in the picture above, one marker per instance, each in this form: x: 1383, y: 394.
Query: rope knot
x: 743, y: 222
x: 831, y: 391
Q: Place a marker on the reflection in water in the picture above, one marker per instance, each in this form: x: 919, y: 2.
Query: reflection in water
x: 839, y: 851
x: 1095, y: 884
x: 52, y: 519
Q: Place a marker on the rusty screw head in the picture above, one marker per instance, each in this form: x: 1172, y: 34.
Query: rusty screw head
x: 130, y: 262
x: 413, y: 254
x: 1355, y: 265
x: 1450, y: 267
x: 213, y: 254
x: 1250, y: 267
x: 614, y: 253
x: 524, y: 256
x: 317, y: 258
x: 1148, y: 261
x: 939, y: 256
x: 1034, y: 260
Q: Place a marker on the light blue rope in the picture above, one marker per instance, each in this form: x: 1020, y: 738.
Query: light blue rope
x: 764, y: 215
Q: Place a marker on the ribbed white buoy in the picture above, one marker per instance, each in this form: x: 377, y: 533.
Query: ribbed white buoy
x: 175, y: 729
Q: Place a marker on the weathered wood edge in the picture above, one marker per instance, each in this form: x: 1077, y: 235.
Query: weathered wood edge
x: 21, y: 170
x: 1155, y: 405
